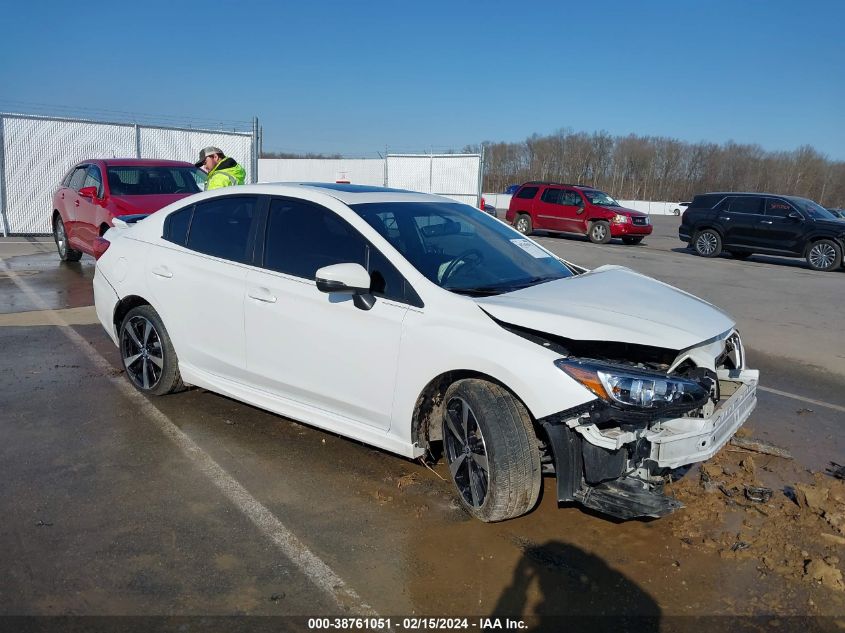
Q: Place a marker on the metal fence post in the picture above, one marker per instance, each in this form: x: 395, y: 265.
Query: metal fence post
x: 386, y: 157
x: 3, y: 178
x: 137, y: 141
x: 254, y: 175
x: 480, y: 178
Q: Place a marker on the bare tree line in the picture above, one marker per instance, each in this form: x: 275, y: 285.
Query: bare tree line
x: 657, y: 168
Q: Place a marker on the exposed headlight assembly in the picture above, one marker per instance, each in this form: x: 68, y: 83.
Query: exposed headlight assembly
x: 632, y: 389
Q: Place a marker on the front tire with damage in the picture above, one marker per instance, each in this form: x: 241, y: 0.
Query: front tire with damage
x: 491, y: 450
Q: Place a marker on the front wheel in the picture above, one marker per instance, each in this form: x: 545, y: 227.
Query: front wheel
x: 66, y: 253
x: 523, y: 224
x: 708, y: 243
x: 599, y: 232
x: 631, y: 241
x: 824, y: 255
x: 491, y: 450
x: 147, y: 353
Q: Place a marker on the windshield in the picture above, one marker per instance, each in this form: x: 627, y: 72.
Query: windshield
x: 812, y: 209
x: 460, y: 249
x: 600, y: 198
x: 131, y: 180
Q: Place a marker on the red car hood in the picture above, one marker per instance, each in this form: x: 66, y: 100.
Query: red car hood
x: 128, y: 205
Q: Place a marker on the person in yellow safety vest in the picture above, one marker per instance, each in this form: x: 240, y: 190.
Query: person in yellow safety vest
x: 222, y: 171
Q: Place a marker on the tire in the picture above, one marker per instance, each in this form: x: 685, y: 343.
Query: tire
x: 632, y: 241
x: 502, y: 437
x: 676, y: 212
x: 523, y: 224
x: 824, y: 255
x: 707, y: 243
x: 66, y: 253
x: 147, y: 355
x: 599, y: 232
x: 741, y: 254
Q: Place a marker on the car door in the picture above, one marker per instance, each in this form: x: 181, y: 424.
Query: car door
x: 741, y: 218
x: 89, y: 209
x: 196, y: 276
x: 784, y: 233
x: 572, y: 211
x: 548, y: 213
x: 318, y: 349
x: 70, y: 201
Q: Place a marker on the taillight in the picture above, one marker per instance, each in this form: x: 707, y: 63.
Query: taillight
x: 482, y: 204
x: 101, y: 245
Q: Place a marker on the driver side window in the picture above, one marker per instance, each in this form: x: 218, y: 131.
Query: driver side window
x: 778, y: 208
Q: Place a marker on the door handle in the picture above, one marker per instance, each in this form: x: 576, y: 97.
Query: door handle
x: 262, y: 294
x: 162, y: 271
x: 725, y: 217
x: 765, y: 221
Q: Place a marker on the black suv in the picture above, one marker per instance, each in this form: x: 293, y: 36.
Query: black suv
x: 747, y: 223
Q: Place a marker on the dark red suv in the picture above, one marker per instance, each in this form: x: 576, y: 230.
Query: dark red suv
x: 579, y: 209
x: 94, y: 192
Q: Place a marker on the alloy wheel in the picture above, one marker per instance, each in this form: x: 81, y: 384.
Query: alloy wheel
x: 522, y: 225
x: 822, y: 256
x: 706, y: 243
x: 599, y: 232
x: 60, y: 237
x: 140, y: 347
x: 466, y: 452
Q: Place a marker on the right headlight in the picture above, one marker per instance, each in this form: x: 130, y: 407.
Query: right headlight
x: 635, y: 389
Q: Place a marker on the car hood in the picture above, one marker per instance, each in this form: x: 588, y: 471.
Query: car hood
x: 611, y: 303
x: 145, y: 204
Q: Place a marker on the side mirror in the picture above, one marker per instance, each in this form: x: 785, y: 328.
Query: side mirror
x: 794, y: 215
x: 347, y: 279
x: 88, y: 192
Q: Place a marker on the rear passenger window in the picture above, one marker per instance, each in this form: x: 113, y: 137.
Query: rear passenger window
x: 746, y: 204
x: 220, y: 227
x: 527, y: 192
x: 778, y: 208
x: 78, y: 178
x: 552, y: 196
x: 176, y: 226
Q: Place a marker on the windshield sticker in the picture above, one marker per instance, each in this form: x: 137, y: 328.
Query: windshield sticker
x: 531, y: 248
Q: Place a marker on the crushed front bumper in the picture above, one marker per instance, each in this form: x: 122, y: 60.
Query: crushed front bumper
x: 620, y: 471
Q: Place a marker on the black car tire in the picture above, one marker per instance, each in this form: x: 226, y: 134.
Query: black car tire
x: 824, y: 255
x: 599, y: 232
x: 523, y: 224
x: 66, y: 253
x: 631, y: 241
x: 485, y: 425
x: 707, y: 243
x: 741, y: 254
x: 147, y: 353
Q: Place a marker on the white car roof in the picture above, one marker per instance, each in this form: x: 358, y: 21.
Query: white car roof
x: 346, y: 193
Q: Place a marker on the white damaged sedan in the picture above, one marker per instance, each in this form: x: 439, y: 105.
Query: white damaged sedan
x: 418, y: 325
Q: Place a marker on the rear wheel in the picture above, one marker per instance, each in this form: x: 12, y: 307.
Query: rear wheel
x: 147, y: 353
x: 824, y: 255
x: 599, y: 232
x: 66, y: 253
x: 631, y: 241
x: 707, y: 243
x: 491, y: 450
x: 523, y: 224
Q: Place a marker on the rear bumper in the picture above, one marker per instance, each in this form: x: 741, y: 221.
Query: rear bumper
x: 683, y: 234
x: 105, y: 301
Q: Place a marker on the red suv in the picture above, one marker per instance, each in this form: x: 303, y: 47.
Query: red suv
x: 94, y: 192
x: 575, y: 209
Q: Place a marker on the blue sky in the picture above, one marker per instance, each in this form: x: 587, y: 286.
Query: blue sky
x: 356, y: 77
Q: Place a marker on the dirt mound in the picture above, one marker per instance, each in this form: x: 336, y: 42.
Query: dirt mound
x: 747, y: 506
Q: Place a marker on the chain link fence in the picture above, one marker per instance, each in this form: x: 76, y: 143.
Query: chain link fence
x: 37, y: 151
